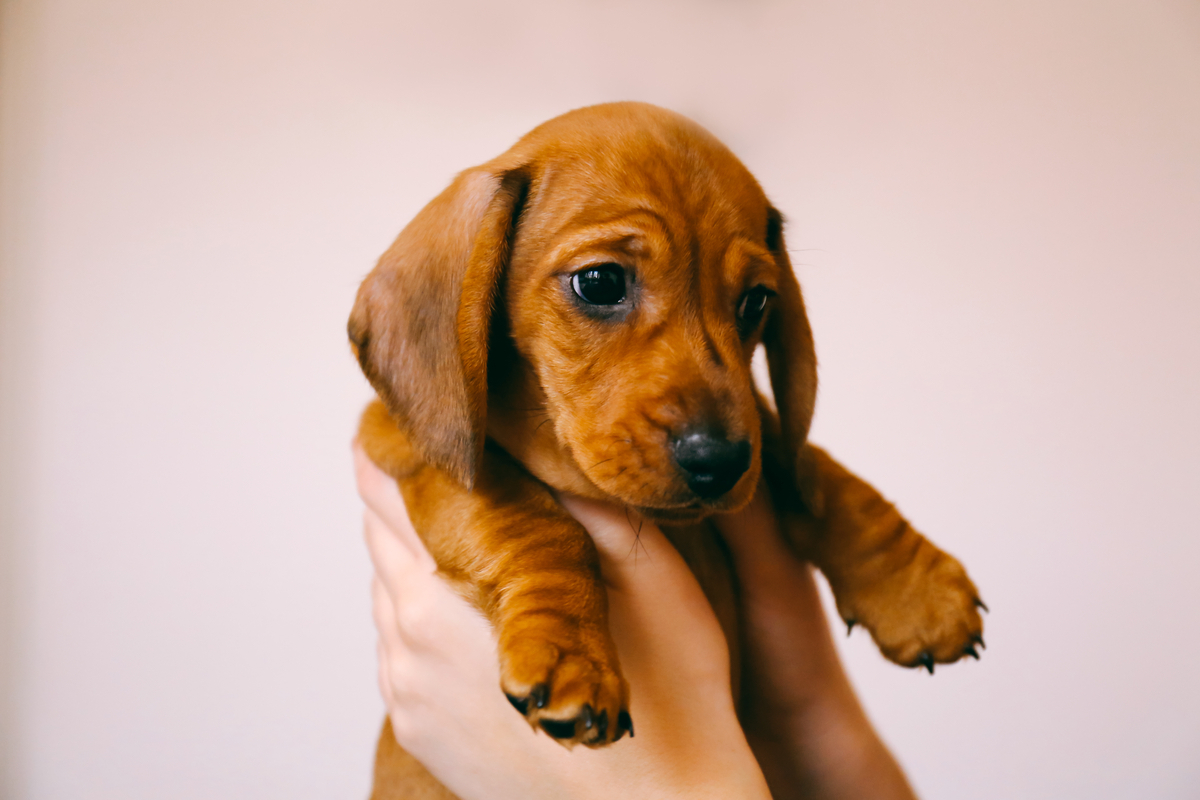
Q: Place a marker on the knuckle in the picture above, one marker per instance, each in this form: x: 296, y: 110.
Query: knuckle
x: 404, y: 728
x: 416, y: 617
x: 399, y: 678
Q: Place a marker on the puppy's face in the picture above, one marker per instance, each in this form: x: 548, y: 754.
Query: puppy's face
x: 640, y: 279
x: 637, y: 266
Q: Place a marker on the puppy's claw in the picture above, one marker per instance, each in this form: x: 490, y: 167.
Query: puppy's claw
x: 982, y: 605
x: 978, y: 639
x: 850, y: 623
x: 599, y: 722
x: 624, y: 723
x: 559, y: 729
x: 520, y: 704
x: 572, y: 698
x: 970, y: 650
x: 925, y: 660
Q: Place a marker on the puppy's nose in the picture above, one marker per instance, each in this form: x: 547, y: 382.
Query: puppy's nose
x: 711, y: 464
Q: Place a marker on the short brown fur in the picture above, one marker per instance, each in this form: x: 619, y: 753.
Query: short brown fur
x: 497, y: 386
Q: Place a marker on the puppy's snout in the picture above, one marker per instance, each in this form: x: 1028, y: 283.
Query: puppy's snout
x: 711, y: 464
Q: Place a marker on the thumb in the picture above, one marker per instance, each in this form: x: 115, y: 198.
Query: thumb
x: 634, y: 553
x: 659, y: 613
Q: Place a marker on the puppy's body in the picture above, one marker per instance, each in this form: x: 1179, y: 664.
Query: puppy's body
x: 580, y: 313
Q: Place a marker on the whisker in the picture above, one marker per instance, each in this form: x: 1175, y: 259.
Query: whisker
x: 637, y: 537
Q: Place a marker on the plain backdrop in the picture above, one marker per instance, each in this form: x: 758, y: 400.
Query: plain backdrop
x: 995, y: 213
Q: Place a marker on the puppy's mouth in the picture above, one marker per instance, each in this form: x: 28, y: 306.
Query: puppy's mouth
x: 684, y: 515
x: 695, y: 510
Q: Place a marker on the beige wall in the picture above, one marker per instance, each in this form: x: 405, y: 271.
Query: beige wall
x: 996, y: 208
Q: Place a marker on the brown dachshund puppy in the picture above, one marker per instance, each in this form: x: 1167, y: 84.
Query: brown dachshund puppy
x: 579, y: 314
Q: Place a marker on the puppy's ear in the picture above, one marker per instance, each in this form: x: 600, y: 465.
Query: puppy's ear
x: 421, y: 321
x: 793, y: 363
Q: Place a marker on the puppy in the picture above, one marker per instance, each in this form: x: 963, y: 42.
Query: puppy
x: 580, y: 314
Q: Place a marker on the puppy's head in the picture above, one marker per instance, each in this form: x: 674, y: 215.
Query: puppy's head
x: 633, y: 265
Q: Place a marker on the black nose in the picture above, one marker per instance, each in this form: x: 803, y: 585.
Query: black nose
x: 711, y: 464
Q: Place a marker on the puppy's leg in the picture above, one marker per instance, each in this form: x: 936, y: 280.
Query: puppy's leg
x: 511, y: 549
x: 916, y: 600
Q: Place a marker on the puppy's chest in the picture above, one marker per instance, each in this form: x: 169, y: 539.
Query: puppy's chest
x: 710, y: 561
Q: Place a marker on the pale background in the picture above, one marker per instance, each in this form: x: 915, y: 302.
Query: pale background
x: 998, y: 208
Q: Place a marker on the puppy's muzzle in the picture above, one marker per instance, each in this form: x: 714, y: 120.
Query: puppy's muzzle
x: 710, y: 464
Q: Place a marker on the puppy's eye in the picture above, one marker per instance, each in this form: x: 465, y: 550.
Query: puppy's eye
x: 602, y: 285
x: 751, y: 307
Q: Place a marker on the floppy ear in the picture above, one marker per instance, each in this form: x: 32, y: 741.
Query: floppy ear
x: 793, y: 364
x: 421, y: 320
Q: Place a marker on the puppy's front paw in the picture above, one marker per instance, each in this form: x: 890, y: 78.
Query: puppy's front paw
x: 923, y: 613
x: 566, y: 680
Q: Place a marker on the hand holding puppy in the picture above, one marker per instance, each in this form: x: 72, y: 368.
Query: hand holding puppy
x: 438, y: 672
x: 438, y: 677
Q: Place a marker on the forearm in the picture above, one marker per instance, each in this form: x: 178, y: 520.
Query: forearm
x: 801, y: 715
x: 810, y: 733
x: 832, y: 752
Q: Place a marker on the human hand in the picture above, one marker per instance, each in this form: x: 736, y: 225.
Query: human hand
x: 800, y: 714
x: 439, y: 675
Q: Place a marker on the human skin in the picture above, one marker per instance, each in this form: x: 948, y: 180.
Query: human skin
x: 799, y: 711
x: 805, y: 734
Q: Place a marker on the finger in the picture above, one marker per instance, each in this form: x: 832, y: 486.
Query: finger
x: 658, y: 601
x: 654, y: 584
x: 384, y: 673
x: 391, y: 640
x: 396, y: 568
x: 614, y: 529
x: 379, y: 491
x: 383, y: 613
